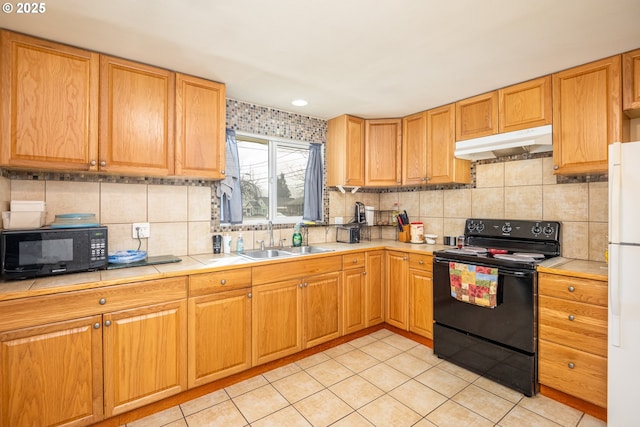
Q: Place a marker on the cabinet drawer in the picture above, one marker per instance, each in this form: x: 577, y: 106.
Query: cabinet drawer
x: 574, y: 324
x: 577, y: 373
x: 311, y: 266
x: 581, y: 290
x: 39, y: 310
x: 353, y: 261
x: 201, y: 284
x: 421, y: 262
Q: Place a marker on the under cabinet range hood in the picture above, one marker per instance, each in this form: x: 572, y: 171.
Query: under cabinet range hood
x: 533, y: 140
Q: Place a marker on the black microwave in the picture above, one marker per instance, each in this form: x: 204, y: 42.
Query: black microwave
x: 51, y: 251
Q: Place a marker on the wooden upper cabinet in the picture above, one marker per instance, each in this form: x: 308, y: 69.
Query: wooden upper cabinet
x: 49, y: 101
x: 200, y: 127
x: 442, y: 166
x: 525, y: 105
x: 345, y: 151
x: 631, y: 83
x: 587, y: 116
x: 383, y: 152
x: 477, y: 116
x: 137, y: 117
x: 414, y: 149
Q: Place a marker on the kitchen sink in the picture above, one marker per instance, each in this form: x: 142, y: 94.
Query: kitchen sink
x: 266, y: 254
x: 286, y: 252
x: 302, y: 250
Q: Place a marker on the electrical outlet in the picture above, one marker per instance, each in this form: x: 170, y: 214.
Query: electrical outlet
x: 140, y: 230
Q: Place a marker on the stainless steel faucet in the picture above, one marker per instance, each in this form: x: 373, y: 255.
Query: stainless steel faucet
x: 270, y: 229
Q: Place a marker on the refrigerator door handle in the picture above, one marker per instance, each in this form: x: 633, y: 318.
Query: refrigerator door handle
x: 614, y: 295
x: 615, y: 186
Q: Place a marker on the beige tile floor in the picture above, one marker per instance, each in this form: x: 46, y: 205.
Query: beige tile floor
x: 382, y: 379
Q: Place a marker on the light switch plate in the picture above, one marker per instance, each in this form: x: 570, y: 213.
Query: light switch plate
x: 140, y: 230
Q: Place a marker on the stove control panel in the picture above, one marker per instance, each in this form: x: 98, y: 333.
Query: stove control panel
x: 536, y: 230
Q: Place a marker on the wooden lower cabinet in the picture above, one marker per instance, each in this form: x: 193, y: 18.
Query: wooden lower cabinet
x: 276, y: 320
x: 144, y: 355
x: 397, y: 289
x: 219, y: 335
x: 354, y: 293
x: 294, y: 314
x: 572, y: 332
x: 52, y: 374
x: 375, y: 268
x: 75, y: 358
x: 421, y: 295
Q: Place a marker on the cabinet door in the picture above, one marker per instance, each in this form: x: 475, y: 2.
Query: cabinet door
x: 631, y: 83
x: 49, y: 104
x: 587, y: 116
x: 383, y: 156
x: 276, y: 321
x: 442, y: 166
x: 397, y: 290
x: 421, y: 303
x: 52, y: 374
x: 145, y: 355
x: 525, y: 105
x: 219, y: 335
x: 322, y: 309
x: 374, y: 287
x: 414, y: 149
x: 200, y: 127
x: 137, y: 113
x: 353, y: 296
x: 477, y: 116
x: 345, y: 151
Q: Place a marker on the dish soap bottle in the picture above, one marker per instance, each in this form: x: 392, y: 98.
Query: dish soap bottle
x: 297, y: 237
x: 240, y: 245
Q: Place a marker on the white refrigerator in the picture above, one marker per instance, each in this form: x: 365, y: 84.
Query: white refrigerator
x: 624, y: 285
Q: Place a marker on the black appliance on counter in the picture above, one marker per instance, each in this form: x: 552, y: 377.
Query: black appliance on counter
x: 359, y: 214
x: 499, y: 343
x: 50, y: 251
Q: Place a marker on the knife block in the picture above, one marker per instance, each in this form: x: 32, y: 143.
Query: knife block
x: 403, y: 236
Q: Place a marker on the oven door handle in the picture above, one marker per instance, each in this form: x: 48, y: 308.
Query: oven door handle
x: 501, y: 271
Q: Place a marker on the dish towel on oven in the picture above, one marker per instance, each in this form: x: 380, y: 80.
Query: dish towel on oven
x: 474, y: 284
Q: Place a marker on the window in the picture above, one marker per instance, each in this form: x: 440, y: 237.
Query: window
x: 272, y: 179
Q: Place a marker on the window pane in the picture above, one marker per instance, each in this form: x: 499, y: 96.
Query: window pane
x: 291, y: 164
x: 254, y: 179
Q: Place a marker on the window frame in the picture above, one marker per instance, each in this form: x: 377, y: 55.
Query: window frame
x: 273, y: 143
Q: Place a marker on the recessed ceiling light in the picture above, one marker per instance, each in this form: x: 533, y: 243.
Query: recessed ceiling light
x: 299, y: 102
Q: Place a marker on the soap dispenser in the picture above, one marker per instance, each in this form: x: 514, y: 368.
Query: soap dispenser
x: 297, y: 237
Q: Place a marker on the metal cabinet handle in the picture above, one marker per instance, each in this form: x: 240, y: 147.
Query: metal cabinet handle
x: 96, y: 325
x: 556, y: 167
x: 107, y: 323
x: 300, y: 285
x: 364, y: 272
x: 223, y: 282
x: 404, y: 258
x: 571, y: 289
x: 223, y: 171
x: 249, y: 295
x: 572, y: 317
x: 421, y: 262
x: 355, y: 261
x: 102, y: 301
x: 103, y: 163
x: 571, y: 365
x: 93, y: 163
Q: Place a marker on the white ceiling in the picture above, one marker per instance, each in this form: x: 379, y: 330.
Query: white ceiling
x: 370, y: 58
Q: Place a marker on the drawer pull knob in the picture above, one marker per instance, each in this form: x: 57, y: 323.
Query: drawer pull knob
x: 355, y: 261
x: 102, y: 301
x: 571, y: 288
x: 223, y: 282
x: 107, y: 323
x: 249, y: 295
x: 364, y: 272
x: 404, y: 258
x: 421, y: 262
x: 96, y: 325
x: 300, y: 285
x: 572, y: 317
x: 571, y: 365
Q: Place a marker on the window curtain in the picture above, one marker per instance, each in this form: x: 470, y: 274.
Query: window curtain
x: 312, y: 206
x: 229, y: 188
